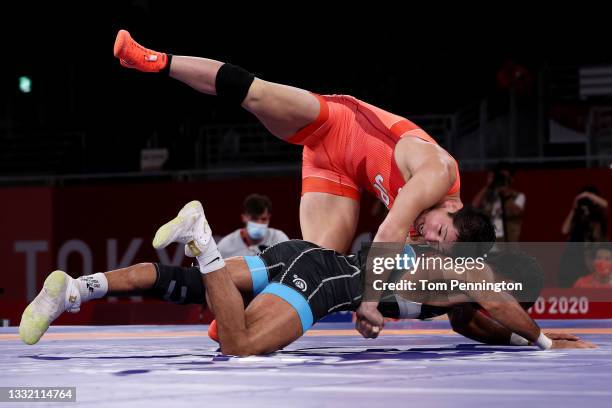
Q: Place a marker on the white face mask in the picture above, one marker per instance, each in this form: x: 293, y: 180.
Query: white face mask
x: 256, y: 231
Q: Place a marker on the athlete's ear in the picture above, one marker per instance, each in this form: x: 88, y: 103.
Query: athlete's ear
x: 452, y: 205
x: 245, y: 218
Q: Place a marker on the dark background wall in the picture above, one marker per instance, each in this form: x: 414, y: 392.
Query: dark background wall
x: 404, y: 58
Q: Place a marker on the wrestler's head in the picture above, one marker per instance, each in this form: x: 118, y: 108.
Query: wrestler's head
x: 443, y: 225
x: 516, y: 266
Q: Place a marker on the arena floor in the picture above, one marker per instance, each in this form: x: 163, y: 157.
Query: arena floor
x: 417, y: 364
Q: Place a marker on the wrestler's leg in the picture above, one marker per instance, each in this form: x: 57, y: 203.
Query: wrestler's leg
x: 143, y: 276
x: 282, y: 109
x: 329, y: 220
x: 62, y: 293
x: 313, y: 282
x: 268, y: 323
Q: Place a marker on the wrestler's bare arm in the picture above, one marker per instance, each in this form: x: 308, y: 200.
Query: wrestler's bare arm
x: 475, y: 325
x: 431, y: 172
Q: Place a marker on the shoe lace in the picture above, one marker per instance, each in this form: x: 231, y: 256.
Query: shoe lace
x: 144, y: 50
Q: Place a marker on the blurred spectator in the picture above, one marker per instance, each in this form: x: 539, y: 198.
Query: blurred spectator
x: 585, y: 224
x: 507, y: 218
x: 601, y: 277
x: 256, y: 235
x: 587, y: 220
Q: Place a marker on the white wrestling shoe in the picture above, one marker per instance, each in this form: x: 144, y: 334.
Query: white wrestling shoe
x: 59, y: 294
x: 189, y: 227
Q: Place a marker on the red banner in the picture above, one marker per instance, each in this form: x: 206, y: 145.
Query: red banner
x: 26, y: 216
x: 556, y: 303
x: 88, y: 229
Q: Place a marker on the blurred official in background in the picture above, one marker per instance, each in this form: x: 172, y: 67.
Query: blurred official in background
x: 256, y: 235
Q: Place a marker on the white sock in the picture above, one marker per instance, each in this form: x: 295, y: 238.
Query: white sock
x: 210, y: 260
x: 92, y: 286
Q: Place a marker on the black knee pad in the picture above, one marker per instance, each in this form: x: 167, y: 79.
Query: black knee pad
x: 233, y: 83
x: 179, y: 285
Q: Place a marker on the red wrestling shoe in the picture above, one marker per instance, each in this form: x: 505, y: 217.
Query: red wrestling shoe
x: 133, y: 55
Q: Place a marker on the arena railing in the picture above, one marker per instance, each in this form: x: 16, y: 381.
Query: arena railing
x: 496, y: 128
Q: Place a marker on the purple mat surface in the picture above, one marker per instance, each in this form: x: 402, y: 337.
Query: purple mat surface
x: 416, y: 370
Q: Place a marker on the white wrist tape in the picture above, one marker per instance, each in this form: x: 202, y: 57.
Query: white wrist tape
x: 517, y: 340
x: 543, y: 342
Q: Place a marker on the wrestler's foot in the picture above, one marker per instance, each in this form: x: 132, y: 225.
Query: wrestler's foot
x: 133, y: 55
x: 59, y: 294
x: 189, y: 227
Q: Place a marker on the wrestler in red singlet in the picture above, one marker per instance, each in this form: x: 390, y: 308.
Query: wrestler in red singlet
x: 351, y: 146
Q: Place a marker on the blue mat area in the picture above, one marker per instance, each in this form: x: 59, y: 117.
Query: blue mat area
x: 167, y: 366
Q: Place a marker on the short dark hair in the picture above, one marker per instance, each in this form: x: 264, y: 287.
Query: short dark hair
x: 523, y: 268
x: 474, y: 227
x: 256, y: 204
